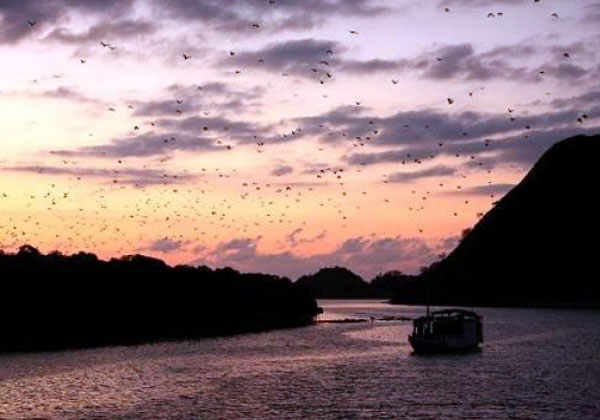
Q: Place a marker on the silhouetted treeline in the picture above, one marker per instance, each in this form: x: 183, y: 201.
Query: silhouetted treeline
x: 55, y: 301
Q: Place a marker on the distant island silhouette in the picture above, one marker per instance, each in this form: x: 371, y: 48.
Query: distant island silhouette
x: 54, y: 301
x: 341, y: 283
x: 536, y: 247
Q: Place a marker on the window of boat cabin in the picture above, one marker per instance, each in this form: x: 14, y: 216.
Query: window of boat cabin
x: 448, y: 326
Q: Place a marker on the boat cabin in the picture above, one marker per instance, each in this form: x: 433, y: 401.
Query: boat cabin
x: 445, y: 330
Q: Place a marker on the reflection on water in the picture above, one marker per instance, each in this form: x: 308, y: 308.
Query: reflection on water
x: 536, y: 364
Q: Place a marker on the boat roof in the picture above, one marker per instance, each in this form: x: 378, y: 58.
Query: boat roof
x: 451, y: 313
x: 454, y: 311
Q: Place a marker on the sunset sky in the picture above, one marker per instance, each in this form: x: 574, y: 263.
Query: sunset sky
x: 281, y: 136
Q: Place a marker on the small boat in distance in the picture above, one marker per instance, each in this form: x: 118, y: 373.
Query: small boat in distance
x: 446, y: 331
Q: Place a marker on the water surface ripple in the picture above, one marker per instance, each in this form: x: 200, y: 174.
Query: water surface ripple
x: 535, y: 364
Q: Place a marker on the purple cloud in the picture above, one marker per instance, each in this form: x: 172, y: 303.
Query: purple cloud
x: 367, y: 257
x: 163, y: 245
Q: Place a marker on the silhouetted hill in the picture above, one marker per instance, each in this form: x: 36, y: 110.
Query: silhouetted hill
x: 55, y: 301
x: 333, y: 283
x: 537, y: 246
x: 341, y: 283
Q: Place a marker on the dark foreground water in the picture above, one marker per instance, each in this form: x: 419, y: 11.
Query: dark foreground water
x: 535, y: 364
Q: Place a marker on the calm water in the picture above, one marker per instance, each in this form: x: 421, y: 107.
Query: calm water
x: 535, y: 364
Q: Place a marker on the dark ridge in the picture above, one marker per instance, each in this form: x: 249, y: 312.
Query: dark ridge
x: 341, y: 283
x: 54, y: 301
x: 536, y: 247
x: 334, y: 283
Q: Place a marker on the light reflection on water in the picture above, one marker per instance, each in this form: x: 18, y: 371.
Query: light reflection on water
x: 535, y: 364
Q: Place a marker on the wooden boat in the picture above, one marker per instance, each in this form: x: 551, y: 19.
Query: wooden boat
x: 447, y: 331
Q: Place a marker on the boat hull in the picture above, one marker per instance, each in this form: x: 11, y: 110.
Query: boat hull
x: 423, y: 345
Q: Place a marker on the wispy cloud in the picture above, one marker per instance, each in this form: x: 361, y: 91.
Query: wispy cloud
x: 104, y: 32
x: 488, y: 190
x: 144, y: 145
x: 437, y: 171
x: 132, y: 176
x: 282, y: 170
x: 164, y: 245
x: 15, y: 14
